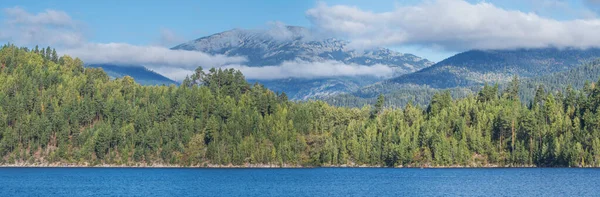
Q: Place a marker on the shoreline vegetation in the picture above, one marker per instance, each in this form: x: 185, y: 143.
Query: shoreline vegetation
x: 250, y: 166
x: 56, y: 112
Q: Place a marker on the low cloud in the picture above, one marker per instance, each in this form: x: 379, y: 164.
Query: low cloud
x: 177, y: 74
x: 58, y: 29
x: 453, y: 25
x: 127, y: 54
x: 304, y: 69
x: 177, y: 64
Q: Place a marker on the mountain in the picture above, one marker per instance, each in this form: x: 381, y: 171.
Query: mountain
x: 556, y: 82
x: 465, y: 73
x: 396, y: 95
x: 272, y: 48
x: 139, y: 73
x: 476, y: 67
x: 302, y: 89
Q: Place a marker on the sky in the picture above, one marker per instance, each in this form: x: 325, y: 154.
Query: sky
x: 136, y: 31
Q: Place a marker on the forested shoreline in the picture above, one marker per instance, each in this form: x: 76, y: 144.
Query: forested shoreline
x: 53, y: 110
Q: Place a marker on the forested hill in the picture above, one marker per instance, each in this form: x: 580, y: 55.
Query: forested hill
x: 55, y: 111
x: 477, y: 67
x: 400, y: 95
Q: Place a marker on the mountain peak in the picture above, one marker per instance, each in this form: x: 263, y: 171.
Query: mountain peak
x: 280, y: 44
x: 271, y: 47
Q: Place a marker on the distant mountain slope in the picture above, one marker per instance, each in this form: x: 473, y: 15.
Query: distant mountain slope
x: 264, y: 48
x: 476, y: 67
x: 401, y: 94
x: 396, y: 95
x: 139, y: 73
x: 303, y: 89
x: 576, y: 77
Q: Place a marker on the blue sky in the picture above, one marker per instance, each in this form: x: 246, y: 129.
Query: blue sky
x: 141, y: 22
x: 445, y: 28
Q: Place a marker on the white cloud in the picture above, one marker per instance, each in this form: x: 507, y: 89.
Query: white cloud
x: 17, y: 15
x: 177, y: 64
x: 127, y: 54
x: 177, y: 74
x: 453, y: 25
x: 58, y: 29
x: 50, y: 27
x: 304, y: 69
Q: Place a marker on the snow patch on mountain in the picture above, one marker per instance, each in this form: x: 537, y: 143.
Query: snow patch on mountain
x: 305, y: 59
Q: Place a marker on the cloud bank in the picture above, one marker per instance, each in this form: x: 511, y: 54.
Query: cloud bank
x: 153, y: 57
x: 304, y: 69
x: 58, y: 29
x: 453, y: 25
x: 121, y: 53
x: 442, y: 25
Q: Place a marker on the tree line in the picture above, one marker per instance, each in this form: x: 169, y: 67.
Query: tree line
x: 54, y: 110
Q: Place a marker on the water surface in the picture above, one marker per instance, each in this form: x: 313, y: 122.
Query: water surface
x: 298, y: 182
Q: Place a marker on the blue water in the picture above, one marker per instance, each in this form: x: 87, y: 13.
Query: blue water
x: 298, y: 182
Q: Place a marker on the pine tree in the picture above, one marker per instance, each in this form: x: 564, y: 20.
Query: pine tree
x: 54, y: 56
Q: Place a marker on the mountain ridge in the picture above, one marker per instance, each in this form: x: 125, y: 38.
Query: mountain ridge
x: 293, y: 43
x: 475, y: 67
x: 460, y: 78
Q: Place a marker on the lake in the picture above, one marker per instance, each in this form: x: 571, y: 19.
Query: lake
x: 299, y: 182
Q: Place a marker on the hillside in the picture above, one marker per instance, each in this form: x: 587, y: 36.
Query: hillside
x: 263, y: 48
x: 304, y: 89
x: 141, y: 74
x: 476, y: 67
x: 56, y: 112
x: 402, y: 94
x: 396, y: 95
x: 576, y: 78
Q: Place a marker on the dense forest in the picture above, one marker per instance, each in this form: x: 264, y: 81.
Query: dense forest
x: 397, y: 95
x: 54, y: 110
